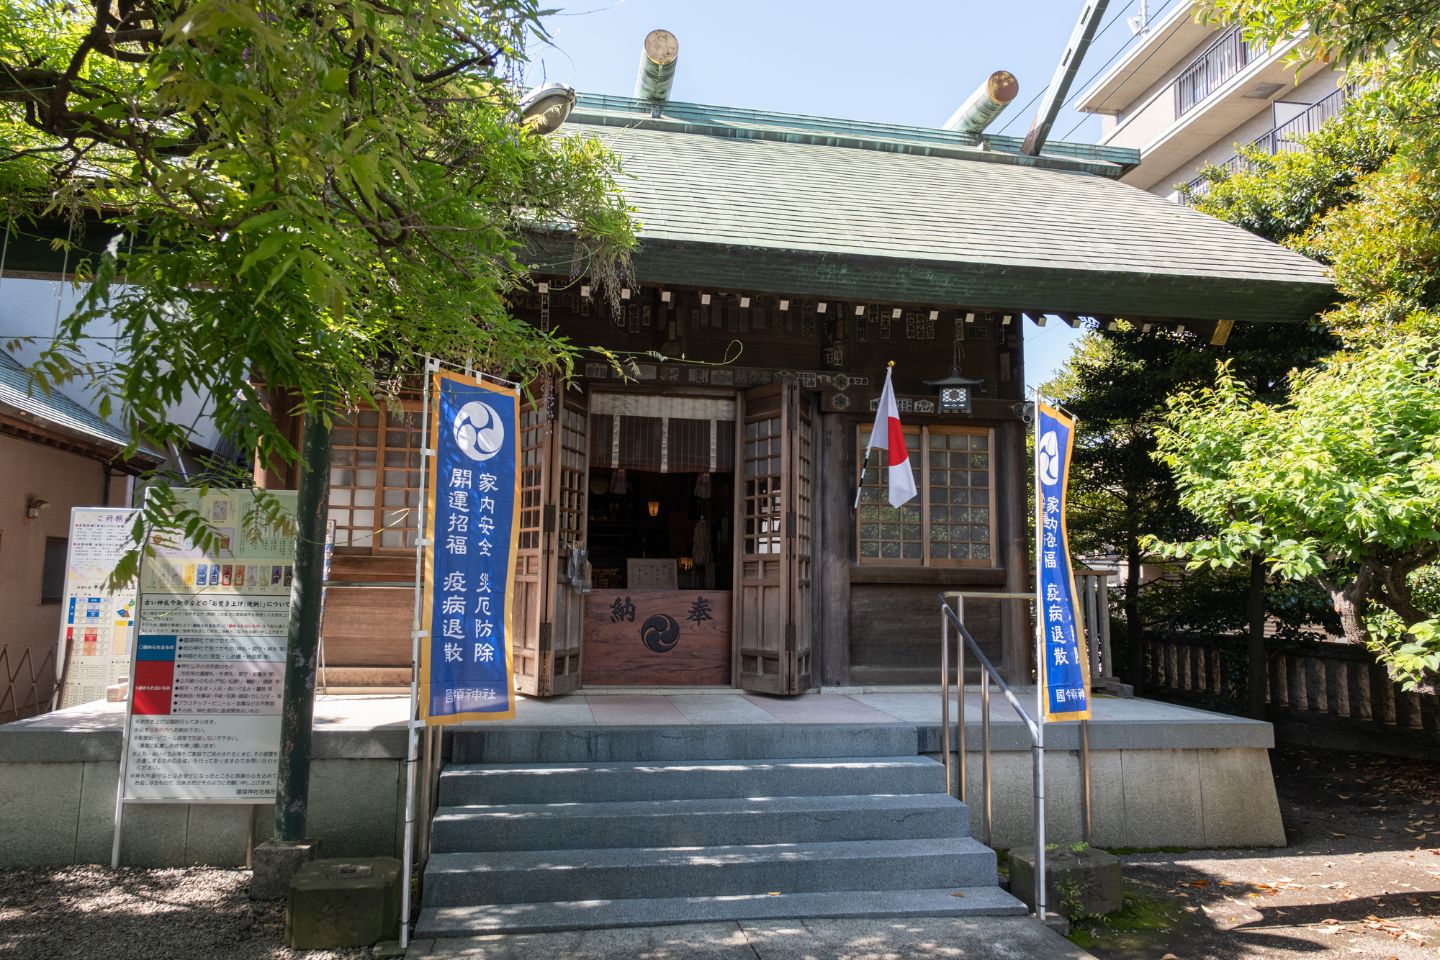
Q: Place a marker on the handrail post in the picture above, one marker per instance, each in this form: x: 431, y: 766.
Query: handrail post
x: 945, y: 691
x: 960, y: 697
x: 985, y: 756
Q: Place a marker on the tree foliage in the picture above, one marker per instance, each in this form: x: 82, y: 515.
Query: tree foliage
x: 1364, y: 194
x: 304, y: 194
x: 1338, y: 483
x: 1117, y: 383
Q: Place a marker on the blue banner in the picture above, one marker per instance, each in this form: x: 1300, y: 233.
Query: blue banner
x: 1065, y: 666
x: 466, y: 669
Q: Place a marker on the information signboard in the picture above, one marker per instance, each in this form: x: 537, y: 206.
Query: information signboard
x: 209, y: 669
x: 97, y: 623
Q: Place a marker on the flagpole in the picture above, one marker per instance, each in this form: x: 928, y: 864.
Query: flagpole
x: 865, y: 464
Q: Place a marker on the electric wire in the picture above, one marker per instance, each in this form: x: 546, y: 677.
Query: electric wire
x: 1021, y: 112
x: 1084, y: 85
x: 1127, y: 76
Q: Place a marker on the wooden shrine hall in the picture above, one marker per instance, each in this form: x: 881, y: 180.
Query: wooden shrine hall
x: 692, y: 523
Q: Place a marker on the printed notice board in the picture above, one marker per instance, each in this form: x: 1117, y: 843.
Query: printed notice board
x: 209, y: 668
x: 97, y: 624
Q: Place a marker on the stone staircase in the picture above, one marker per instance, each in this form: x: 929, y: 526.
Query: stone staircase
x: 543, y: 829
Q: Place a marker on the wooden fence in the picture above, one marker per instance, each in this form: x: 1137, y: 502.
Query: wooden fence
x: 1321, y: 694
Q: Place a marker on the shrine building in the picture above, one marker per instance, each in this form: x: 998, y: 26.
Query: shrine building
x: 783, y: 261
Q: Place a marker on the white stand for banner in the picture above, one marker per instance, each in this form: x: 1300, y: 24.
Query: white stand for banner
x: 1039, y: 764
x: 414, y: 725
x: 407, y: 855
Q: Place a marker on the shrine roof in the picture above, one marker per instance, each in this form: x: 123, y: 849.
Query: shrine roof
x: 54, y: 412
x: 744, y: 199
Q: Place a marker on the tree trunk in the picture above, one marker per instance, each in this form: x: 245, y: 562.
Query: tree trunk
x: 1255, y: 660
x: 1134, y: 629
x: 298, y: 712
x: 1347, y: 599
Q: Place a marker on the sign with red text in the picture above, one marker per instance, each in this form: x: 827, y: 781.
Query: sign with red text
x: 209, y: 667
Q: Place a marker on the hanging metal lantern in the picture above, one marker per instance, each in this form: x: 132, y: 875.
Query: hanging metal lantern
x: 955, y: 392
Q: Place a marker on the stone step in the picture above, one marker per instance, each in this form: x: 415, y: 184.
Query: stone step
x: 516, y: 918
x: 687, y: 780
x: 697, y: 823
x: 531, y: 876
x: 556, y: 744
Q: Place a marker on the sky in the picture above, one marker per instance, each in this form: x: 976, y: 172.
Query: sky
x: 904, y: 61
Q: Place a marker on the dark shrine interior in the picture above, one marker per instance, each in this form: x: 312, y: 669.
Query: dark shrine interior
x: 655, y: 516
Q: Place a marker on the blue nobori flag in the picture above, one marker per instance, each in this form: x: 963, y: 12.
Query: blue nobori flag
x: 466, y: 670
x: 1065, y: 668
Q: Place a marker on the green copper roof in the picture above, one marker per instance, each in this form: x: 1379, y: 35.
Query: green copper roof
x: 21, y: 396
x: 778, y: 203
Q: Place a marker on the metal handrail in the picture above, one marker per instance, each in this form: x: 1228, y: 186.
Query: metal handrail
x: 988, y: 672
x: 959, y: 597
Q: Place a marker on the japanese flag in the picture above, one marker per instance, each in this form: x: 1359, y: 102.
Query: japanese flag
x: 888, y: 436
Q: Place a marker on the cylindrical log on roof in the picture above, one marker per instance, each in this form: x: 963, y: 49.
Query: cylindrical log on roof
x: 987, y: 102
x: 657, y: 66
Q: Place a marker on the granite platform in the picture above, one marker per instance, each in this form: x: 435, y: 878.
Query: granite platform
x: 1161, y: 774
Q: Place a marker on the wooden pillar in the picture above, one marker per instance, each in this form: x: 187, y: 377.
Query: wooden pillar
x: 277, y: 474
x: 1011, y: 473
x: 835, y: 461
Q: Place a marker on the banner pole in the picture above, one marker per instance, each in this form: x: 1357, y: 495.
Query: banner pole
x: 125, y: 727
x: 407, y: 855
x: 1039, y: 686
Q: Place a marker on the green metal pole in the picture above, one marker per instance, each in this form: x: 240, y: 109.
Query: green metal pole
x: 293, y: 791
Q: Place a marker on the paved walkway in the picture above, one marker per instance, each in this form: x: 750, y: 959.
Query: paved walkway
x: 982, y: 938
x: 691, y: 705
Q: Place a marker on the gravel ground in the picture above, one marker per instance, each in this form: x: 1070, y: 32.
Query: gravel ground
x: 1360, y: 879
x: 94, y: 913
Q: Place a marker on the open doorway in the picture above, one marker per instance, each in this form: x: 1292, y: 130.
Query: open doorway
x: 660, y: 537
x: 661, y: 551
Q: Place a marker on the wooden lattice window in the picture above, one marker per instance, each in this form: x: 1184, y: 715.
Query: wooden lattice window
x: 532, y: 477
x: 573, y: 480
x: 375, y: 479
x: 763, y: 506
x: 952, y: 522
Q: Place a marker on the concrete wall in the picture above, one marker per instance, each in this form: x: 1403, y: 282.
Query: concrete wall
x: 1311, y: 90
x: 1138, y: 798
x: 1147, y: 116
x: 1154, y: 783
x: 28, y: 309
x: 66, y: 480
x: 57, y: 803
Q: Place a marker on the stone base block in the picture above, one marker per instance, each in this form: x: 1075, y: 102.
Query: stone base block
x: 275, y: 864
x: 343, y: 903
x: 1086, y: 883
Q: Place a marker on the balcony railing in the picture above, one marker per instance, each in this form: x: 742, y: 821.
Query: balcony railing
x: 1282, y: 139
x: 1221, y: 61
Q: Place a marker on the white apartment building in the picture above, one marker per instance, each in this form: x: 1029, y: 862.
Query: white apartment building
x: 1186, y: 94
